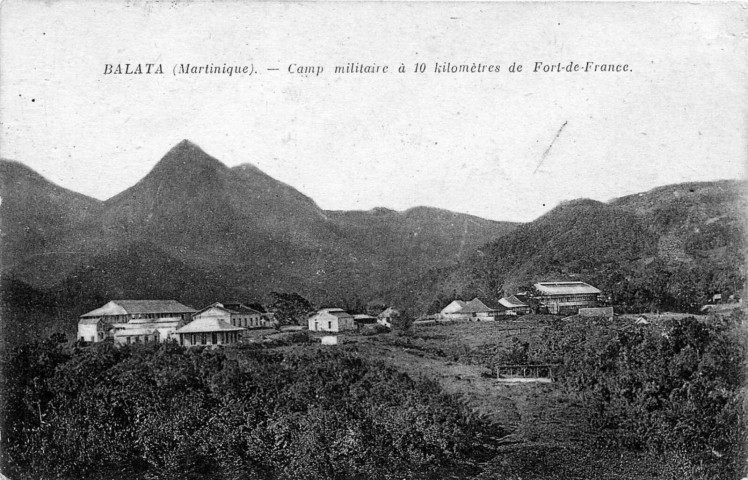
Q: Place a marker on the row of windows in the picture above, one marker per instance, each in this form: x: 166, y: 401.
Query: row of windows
x: 212, y: 338
x: 146, y: 339
x: 570, y: 298
x: 246, y: 322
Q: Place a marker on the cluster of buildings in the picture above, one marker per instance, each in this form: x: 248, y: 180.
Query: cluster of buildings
x: 145, y: 321
x: 338, y: 320
x: 558, y: 298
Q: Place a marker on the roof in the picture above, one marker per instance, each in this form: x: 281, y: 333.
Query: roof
x: 232, y: 308
x: 454, y: 307
x: 133, y: 332
x: 389, y: 312
x: 151, y: 323
x: 89, y: 321
x: 133, y: 307
x: 208, y: 324
x: 161, y: 322
x: 510, y: 301
x: 336, y: 312
x: 478, y: 305
x: 241, y: 308
x: 364, y: 318
x: 565, y: 288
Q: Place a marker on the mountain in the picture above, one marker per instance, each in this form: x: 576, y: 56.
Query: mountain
x: 40, y: 220
x: 197, y: 230
x: 669, y: 248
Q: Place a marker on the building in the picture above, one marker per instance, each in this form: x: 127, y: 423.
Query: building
x: 98, y: 325
x: 209, y: 331
x: 331, y: 320
x: 565, y: 297
x: 597, y: 312
x: 128, y: 336
x: 363, y: 319
x: 143, y: 330
x: 513, y: 305
x: 92, y: 329
x: 481, y: 310
x: 387, y: 317
x: 235, y: 314
x: 452, y: 311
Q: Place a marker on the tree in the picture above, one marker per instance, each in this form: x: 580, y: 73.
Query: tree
x: 290, y: 308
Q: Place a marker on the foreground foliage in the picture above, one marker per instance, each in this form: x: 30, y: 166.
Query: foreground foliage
x: 159, y: 411
x: 677, y: 388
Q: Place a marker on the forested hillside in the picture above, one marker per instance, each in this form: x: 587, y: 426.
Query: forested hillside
x: 668, y: 249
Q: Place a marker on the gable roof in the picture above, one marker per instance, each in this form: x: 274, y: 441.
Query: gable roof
x: 455, y: 306
x: 133, y: 307
x: 89, y: 321
x: 510, y: 301
x: 134, y: 332
x: 237, y: 307
x: 478, y: 305
x: 208, y: 324
x: 389, y: 313
x: 335, y: 312
x: 565, y: 288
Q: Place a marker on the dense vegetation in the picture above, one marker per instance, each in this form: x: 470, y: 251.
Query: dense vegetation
x: 669, y: 249
x: 158, y: 411
x: 676, y: 389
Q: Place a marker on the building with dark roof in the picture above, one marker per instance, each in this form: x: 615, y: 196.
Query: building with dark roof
x: 235, y: 314
x: 481, y: 309
x: 99, y: 324
x: 513, y: 305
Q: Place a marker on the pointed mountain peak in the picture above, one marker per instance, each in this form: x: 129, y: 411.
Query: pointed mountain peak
x: 187, y: 157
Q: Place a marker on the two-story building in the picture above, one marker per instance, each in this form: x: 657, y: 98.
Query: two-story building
x: 110, y: 320
x: 565, y: 297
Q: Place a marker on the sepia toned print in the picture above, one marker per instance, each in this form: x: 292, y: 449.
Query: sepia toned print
x: 372, y: 240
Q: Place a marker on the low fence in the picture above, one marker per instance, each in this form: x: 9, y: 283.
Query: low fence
x: 525, y: 371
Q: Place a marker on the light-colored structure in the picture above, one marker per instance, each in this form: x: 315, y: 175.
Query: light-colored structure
x: 482, y: 310
x: 145, y: 330
x: 235, y: 314
x: 99, y: 324
x: 513, y: 305
x: 566, y: 297
x: 209, y: 331
x: 330, y: 340
x: 605, y: 312
x: 128, y: 336
x: 387, y: 316
x: 331, y: 320
x: 453, y: 311
x: 92, y: 329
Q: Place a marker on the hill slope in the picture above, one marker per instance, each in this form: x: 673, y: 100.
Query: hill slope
x: 669, y: 248
x: 231, y: 231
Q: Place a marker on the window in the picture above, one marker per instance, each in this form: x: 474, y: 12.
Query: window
x: 214, y: 338
x: 202, y: 338
x: 329, y: 325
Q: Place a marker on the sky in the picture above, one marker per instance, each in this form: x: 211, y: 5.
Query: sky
x: 501, y: 145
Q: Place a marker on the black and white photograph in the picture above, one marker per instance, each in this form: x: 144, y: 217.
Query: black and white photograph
x: 373, y: 240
